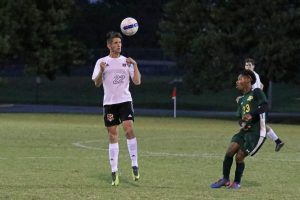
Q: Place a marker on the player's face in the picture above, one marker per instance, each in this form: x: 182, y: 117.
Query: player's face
x: 249, y: 66
x: 242, y: 82
x: 115, y: 46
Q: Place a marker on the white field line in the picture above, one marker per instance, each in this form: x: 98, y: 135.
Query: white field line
x: 46, y: 158
x: 84, y: 144
x: 42, y: 157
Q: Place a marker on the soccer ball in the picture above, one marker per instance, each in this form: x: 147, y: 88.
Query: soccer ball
x: 129, y: 26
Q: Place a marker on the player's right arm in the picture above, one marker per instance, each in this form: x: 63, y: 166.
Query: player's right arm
x: 98, y: 73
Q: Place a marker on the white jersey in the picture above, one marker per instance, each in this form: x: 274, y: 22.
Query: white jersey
x: 257, y: 83
x: 116, y: 79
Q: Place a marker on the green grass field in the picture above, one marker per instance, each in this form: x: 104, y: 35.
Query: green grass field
x: 62, y: 156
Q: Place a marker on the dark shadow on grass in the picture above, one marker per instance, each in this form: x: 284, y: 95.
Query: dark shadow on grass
x: 131, y: 182
x: 105, y: 177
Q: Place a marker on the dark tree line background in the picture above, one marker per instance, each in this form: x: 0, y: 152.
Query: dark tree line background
x: 207, y: 38
x: 52, y: 35
x: 211, y: 38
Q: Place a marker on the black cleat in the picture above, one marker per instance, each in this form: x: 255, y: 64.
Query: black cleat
x: 135, y: 173
x: 279, y: 146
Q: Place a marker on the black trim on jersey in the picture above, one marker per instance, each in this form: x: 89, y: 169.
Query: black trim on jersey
x: 260, y: 109
x: 263, y: 107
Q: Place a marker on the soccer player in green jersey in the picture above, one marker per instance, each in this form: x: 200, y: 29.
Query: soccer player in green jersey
x: 251, y: 112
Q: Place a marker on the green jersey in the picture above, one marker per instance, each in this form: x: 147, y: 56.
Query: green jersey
x: 248, y: 104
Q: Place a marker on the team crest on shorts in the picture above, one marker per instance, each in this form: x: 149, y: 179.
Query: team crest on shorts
x: 110, y: 117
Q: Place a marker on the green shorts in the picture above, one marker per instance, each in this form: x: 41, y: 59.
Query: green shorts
x: 250, y: 142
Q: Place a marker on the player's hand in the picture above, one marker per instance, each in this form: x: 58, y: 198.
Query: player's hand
x: 247, y: 117
x: 244, y: 125
x: 238, y: 98
x: 130, y: 61
x: 102, y: 66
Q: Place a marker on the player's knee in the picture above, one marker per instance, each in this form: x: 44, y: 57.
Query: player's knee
x: 113, y: 136
x: 127, y: 129
x: 129, y: 134
x: 232, y: 149
x: 239, y: 157
x: 230, y: 153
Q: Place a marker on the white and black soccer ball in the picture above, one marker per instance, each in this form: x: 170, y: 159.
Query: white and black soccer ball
x: 129, y: 26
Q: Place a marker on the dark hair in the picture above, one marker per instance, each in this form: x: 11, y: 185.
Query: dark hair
x: 112, y: 34
x: 249, y: 74
x: 250, y: 60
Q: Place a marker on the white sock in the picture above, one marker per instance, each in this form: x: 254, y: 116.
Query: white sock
x: 272, y: 135
x: 132, y: 149
x: 114, y: 156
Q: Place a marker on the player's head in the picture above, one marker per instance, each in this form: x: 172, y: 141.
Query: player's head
x: 246, y: 78
x: 249, y: 64
x: 114, y: 42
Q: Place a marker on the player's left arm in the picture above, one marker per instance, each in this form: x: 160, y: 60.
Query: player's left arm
x: 262, y: 105
x: 136, y: 79
x: 261, y: 86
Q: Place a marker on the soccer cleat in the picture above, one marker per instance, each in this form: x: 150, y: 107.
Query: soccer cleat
x: 221, y: 182
x: 279, y: 146
x: 115, y: 178
x: 135, y: 173
x: 234, y: 185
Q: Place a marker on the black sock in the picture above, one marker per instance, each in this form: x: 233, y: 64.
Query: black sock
x: 239, y: 171
x: 278, y: 141
x: 226, y: 166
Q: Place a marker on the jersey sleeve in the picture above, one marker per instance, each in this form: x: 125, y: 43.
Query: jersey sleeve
x: 260, y: 96
x: 96, y: 69
x: 258, y: 80
x: 257, y: 83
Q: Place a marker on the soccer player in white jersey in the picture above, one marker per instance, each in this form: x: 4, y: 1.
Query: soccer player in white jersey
x: 114, y: 72
x: 249, y: 64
